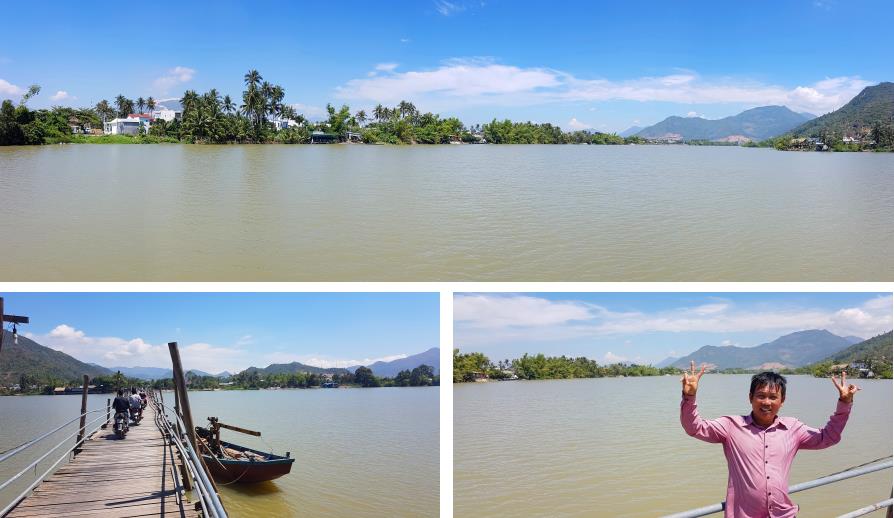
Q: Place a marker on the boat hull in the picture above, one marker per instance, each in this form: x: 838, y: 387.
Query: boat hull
x: 228, y: 471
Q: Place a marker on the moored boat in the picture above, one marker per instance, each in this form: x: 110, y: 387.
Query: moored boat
x: 228, y: 462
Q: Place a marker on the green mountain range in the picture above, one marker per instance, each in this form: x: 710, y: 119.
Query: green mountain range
x: 755, y: 124
x: 876, y: 348
x: 30, y: 358
x: 874, y: 105
x: 792, y: 350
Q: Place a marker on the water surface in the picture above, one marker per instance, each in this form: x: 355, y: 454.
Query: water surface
x: 615, y: 447
x: 444, y: 213
x: 358, y: 452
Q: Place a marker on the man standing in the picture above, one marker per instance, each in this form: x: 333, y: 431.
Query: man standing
x: 761, y: 446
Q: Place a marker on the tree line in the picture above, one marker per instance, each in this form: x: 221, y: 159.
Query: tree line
x: 213, y: 118
x: 475, y: 365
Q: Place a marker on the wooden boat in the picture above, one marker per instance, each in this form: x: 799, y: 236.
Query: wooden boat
x: 228, y: 463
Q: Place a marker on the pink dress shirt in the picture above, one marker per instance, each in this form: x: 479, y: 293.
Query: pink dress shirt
x: 759, y: 459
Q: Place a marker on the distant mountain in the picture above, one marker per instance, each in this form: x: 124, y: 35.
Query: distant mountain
x: 667, y: 361
x: 224, y: 374
x: 755, y: 124
x: 29, y: 357
x: 289, y: 368
x: 431, y: 357
x: 875, y: 104
x: 632, y: 130
x: 792, y: 350
x: 877, y: 348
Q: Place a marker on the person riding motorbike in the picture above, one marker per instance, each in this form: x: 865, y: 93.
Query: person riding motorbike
x: 144, y: 398
x: 136, y: 406
x: 121, y: 406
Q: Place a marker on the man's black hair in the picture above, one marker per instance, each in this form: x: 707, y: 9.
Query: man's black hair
x: 120, y: 392
x: 770, y: 379
x: 133, y: 390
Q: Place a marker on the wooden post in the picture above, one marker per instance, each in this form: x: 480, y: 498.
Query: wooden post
x: 888, y: 515
x: 180, y: 387
x: 83, y: 415
x: 108, y: 412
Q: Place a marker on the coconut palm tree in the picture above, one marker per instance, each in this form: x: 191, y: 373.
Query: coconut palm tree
x: 150, y: 103
x: 379, y: 112
x: 141, y: 103
x: 361, y: 117
x: 228, y: 104
x: 121, y: 103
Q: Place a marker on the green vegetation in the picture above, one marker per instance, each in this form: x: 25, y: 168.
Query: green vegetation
x: 473, y: 366
x: 873, y: 354
x: 210, y: 118
x: 421, y: 376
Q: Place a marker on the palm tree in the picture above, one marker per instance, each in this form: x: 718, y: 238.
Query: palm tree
x: 228, y: 104
x: 189, y: 100
x: 150, y: 103
x: 121, y: 104
x: 141, y: 103
x: 379, y: 112
x: 104, y: 110
x: 361, y: 117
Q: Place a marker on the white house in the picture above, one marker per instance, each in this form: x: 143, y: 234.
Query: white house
x: 166, y: 114
x: 132, y: 125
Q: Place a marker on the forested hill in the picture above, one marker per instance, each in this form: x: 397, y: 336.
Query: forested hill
x: 873, y: 106
x: 756, y: 124
x: 40, y: 363
x: 876, y: 348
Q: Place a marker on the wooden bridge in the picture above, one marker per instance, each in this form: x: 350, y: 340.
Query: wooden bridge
x: 110, y: 477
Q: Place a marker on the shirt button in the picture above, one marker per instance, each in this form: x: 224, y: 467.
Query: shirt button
x: 768, y: 477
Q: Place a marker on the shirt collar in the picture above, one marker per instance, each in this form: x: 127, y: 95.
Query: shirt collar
x: 749, y: 420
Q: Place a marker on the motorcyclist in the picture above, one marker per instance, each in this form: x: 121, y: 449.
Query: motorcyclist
x: 144, y: 398
x: 136, y: 406
x: 121, y: 406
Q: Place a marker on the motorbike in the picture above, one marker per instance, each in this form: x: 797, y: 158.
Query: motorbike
x: 121, y: 424
x: 136, y: 415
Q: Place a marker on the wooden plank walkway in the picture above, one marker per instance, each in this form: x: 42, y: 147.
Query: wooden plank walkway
x: 113, y: 478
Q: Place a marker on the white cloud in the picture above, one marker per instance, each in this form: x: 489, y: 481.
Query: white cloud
x: 111, y: 351
x: 446, y: 8
x: 481, y: 81
x: 405, y: 40
x: 173, y: 77
x: 728, y: 343
x: 7, y: 88
x: 488, y: 319
x: 62, y: 95
x: 577, y: 125
x: 692, y: 114
x: 461, y: 80
x: 613, y: 358
x: 494, y: 311
x: 386, y: 67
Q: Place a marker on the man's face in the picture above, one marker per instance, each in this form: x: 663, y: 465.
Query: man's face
x: 765, y: 404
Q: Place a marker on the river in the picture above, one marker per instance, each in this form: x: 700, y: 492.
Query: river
x: 358, y: 452
x: 615, y: 447
x: 444, y: 213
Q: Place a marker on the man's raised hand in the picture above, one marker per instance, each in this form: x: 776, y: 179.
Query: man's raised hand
x: 690, y: 379
x: 846, y: 391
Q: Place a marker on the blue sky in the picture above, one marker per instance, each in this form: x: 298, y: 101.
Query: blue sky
x: 648, y: 327
x: 599, y: 65
x: 230, y: 331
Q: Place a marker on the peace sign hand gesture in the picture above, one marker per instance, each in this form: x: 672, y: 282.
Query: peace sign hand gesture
x: 690, y: 380
x: 846, y: 391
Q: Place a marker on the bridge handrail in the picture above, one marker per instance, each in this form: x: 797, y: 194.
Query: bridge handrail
x: 195, y: 465
x: 22, y: 447
x: 829, y: 479
x: 15, y: 501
